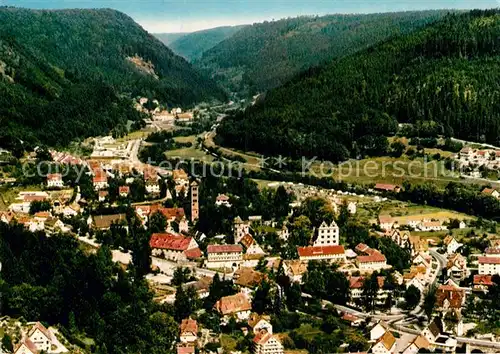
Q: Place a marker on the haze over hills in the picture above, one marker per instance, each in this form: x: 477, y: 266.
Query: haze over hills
x: 168, y: 38
x: 444, y: 77
x: 68, y: 69
x: 266, y: 55
x: 192, y: 45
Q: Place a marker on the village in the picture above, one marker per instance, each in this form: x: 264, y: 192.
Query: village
x: 392, y: 316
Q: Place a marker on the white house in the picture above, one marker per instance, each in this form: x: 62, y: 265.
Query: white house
x: 251, y: 246
x: 241, y: 228
x: 222, y: 200
x: 489, y: 265
x: 284, y: 233
x: 237, y: 305
x: 451, y: 244
x: 328, y: 235
x: 386, y: 344
x: 372, y: 262
x: 351, y: 208
x: 267, y: 343
x: 188, y: 331
x: 100, y: 182
x: 40, y: 337
x: 420, y: 342
x: 54, y: 180
x: 378, y: 330
x: 257, y: 323
x: 431, y: 226
x: 26, y: 347
x: 387, y: 223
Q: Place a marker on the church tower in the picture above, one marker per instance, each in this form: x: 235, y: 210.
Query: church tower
x: 194, y: 201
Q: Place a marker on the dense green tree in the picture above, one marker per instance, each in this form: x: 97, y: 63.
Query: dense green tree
x: 412, y: 297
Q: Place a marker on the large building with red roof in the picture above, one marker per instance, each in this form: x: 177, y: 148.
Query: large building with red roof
x: 176, y: 248
x: 224, y: 256
x: 489, y: 265
x: 322, y: 253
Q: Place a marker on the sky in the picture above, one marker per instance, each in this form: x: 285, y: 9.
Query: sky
x: 169, y: 16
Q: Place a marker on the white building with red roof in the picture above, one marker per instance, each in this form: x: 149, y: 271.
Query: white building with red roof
x: 222, y: 200
x: 224, y: 256
x: 322, y: 253
x: 176, y: 248
x: 54, y: 180
x: 40, y: 336
x: 489, y: 265
x: 265, y: 342
x: 100, y: 181
x: 188, y: 331
x: 372, y: 261
x: 237, y: 305
x: 25, y: 347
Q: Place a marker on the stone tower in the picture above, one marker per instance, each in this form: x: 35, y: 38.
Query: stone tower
x: 194, y: 201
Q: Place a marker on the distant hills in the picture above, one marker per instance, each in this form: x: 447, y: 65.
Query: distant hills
x: 192, y: 45
x: 268, y: 54
x: 71, y: 73
x: 444, y: 78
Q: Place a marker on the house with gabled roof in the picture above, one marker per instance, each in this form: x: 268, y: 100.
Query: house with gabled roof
x: 378, y: 330
x: 173, y: 247
x: 482, y: 282
x: 433, y: 330
x: 295, y: 269
x: 266, y: 343
x: 327, y: 235
x: 386, y: 344
x: 451, y: 244
x: 237, y: 305
x: 25, y: 347
x: 188, y: 331
x: 326, y: 253
x: 418, y: 343
x: 456, y: 267
x: 251, y: 246
x: 258, y: 323
x: 40, y: 336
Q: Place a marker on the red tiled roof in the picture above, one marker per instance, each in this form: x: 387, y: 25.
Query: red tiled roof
x: 454, y: 295
x: 232, y: 304
x: 100, y: 179
x: 224, y: 249
x: 33, y: 198
x: 361, y: 247
x: 386, y: 187
x: 170, y: 242
x: 123, y: 189
x: 54, y: 177
x: 483, y: 280
x: 350, y: 318
x: 488, y: 260
x: 29, y: 344
x: 193, y: 253
x: 262, y: 337
x: 181, y: 349
x: 41, y: 328
x: 222, y: 198
x: 320, y: 250
x: 375, y: 256
x: 491, y: 250
x: 189, y: 326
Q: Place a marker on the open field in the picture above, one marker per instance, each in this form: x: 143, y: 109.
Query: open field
x: 186, y: 139
x: 190, y: 153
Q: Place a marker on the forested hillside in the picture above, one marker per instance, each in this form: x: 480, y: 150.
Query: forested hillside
x: 266, y: 55
x: 444, y: 77
x: 74, y: 71
x: 192, y: 45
